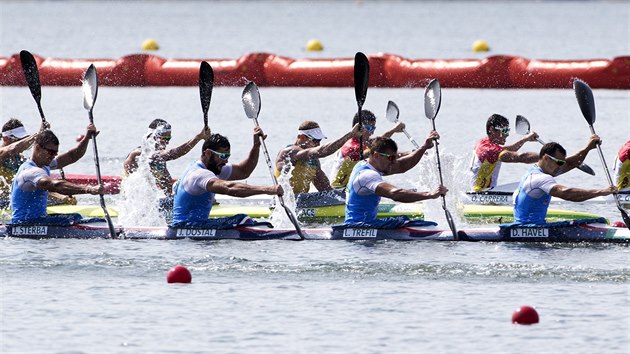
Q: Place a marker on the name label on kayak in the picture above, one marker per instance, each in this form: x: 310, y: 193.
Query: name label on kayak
x: 29, y: 230
x: 360, y: 233
x: 196, y: 232
x: 530, y: 232
x: 490, y: 199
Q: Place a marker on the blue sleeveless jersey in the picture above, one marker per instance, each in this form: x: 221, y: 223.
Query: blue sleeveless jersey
x: 360, y: 208
x: 27, y: 205
x: 528, y: 210
x: 191, y: 208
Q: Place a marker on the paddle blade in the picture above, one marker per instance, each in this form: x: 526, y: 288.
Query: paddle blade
x: 90, y: 87
x: 522, y: 125
x: 392, y: 112
x: 206, y: 82
x: 29, y: 67
x: 251, y: 100
x: 585, y: 99
x: 361, y: 77
x: 432, y: 99
x: 587, y: 169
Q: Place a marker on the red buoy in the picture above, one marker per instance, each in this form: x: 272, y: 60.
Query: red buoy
x: 525, y: 315
x: 618, y: 223
x: 179, y: 274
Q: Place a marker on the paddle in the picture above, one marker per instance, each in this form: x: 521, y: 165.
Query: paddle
x: 586, y: 101
x: 29, y: 67
x: 432, y: 102
x: 90, y: 91
x: 392, y: 114
x: 361, y: 76
x: 251, y: 104
x: 522, y: 127
x: 206, y: 82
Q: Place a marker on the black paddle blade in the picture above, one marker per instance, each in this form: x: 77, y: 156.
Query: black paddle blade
x: 432, y: 99
x: 29, y: 67
x: 585, y: 99
x: 251, y: 100
x: 206, y: 82
x: 90, y: 88
x: 361, y: 78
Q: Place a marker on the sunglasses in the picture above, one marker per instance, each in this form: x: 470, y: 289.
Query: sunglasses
x: 558, y: 161
x: 504, y: 130
x: 315, y: 140
x: 164, y: 137
x: 369, y: 128
x: 390, y: 157
x: 51, y: 152
x: 222, y: 155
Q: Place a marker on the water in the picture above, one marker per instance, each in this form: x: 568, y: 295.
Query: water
x: 111, y: 295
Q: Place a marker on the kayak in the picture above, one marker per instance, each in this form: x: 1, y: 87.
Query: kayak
x: 591, y: 230
x: 502, y: 195
x: 474, y: 214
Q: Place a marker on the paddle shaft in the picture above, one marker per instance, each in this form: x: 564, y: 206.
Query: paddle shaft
x: 449, y: 217
x: 411, y: 139
x: 360, y: 105
x: 275, y: 182
x: 110, y: 224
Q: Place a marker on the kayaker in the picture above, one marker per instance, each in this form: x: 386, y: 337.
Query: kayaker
x: 490, y: 152
x: 32, y: 183
x: 366, y: 185
x: 304, y: 155
x: 213, y: 174
x: 16, y: 140
x: 160, y: 133
x: 622, y: 167
x: 350, y: 154
x: 531, y: 199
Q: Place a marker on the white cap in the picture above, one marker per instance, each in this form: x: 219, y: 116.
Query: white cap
x: 18, y: 132
x: 315, y: 133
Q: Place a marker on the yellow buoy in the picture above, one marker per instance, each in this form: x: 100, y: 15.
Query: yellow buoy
x: 314, y: 45
x: 480, y: 46
x: 150, y: 44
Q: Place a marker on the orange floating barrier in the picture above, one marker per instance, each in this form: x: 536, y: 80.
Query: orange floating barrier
x: 386, y: 70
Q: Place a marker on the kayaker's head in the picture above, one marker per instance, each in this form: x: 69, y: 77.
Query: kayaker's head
x: 383, y: 154
x: 160, y: 130
x: 309, y: 135
x: 46, y: 148
x: 498, y: 128
x: 552, y: 158
x: 215, y: 153
x: 369, y: 122
x: 12, y: 131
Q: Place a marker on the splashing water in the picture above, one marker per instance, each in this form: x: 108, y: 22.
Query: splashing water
x: 279, y: 217
x: 455, y: 177
x: 139, y: 197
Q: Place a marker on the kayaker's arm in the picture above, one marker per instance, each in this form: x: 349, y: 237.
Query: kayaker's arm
x: 245, y: 168
x: 524, y: 157
x: 321, y: 181
x: 16, y: 147
x: 398, y: 128
x: 327, y: 149
x: 175, y: 153
x: 64, y: 187
x: 576, y: 159
x: 579, y: 194
x: 402, y: 195
x: 131, y: 162
x: 75, y: 154
x: 519, y: 144
x: 407, y: 162
x: 241, y: 190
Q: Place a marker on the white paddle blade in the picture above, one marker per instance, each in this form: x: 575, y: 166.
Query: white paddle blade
x: 522, y: 125
x: 432, y: 99
x: 90, y: 87
x: 392, y: 112
x: 251, y: 100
